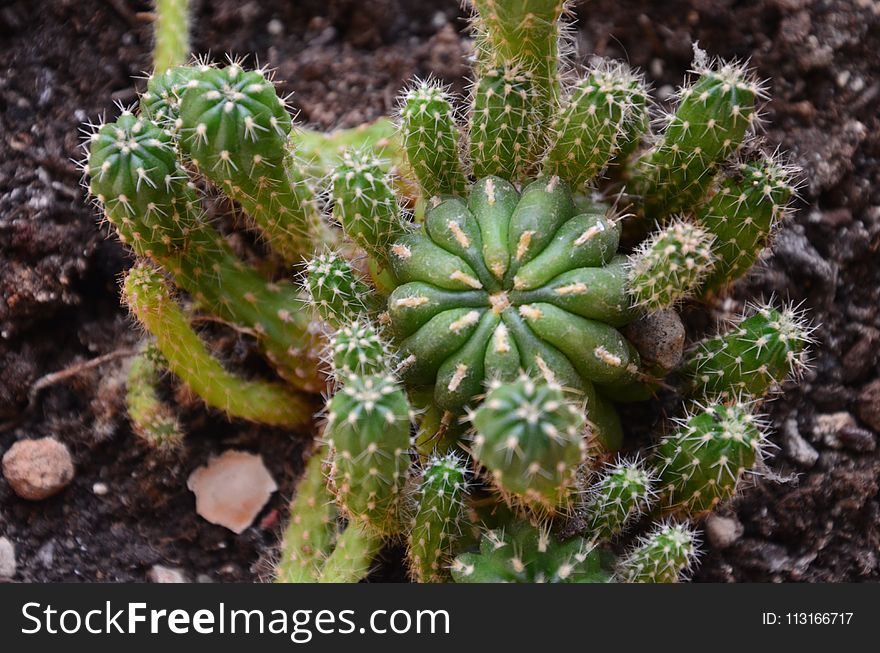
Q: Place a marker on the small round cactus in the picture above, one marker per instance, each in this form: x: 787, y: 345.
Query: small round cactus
x: 529, y: 554
x: 702, y: 462
x: 368, y: 428
x: 752, y: 357
x: 624, y: 491
x: 439, y: 512
x: 335, y: 289
x: 356, y: 349
x: 531, y: 440
x: 665, y: 555
x: 670, y: 265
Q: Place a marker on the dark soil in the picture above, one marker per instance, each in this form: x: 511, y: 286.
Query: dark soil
x: 67, y: 61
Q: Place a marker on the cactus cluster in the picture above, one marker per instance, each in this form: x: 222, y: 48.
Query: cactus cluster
x: 464, y: 310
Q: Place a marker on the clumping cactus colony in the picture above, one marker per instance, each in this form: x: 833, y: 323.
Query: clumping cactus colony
x: 473, y: 337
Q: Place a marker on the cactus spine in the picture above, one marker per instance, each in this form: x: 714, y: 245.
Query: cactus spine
x: 357, y: 349
x: 335, y: 289
x: 624, y: 491
x: 665, y: 555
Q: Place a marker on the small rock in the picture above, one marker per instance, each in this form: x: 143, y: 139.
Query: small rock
x: 869, y: 405
x: 827, y: 427
x: 856, y: 438
x: 796, y: 448
x: 232, y: 489
x: 7, y: 558
x: 723, y: 531
x: 162, y: 574
x: 659, y: 338
x: 100, y: 489
x: 37, y: 469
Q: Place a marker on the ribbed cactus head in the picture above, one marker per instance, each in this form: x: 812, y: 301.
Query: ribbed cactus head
x: 624, y: 491
x: 703, y: 461
x: 753, y: 356
x: 671, y: 265
x: 358, y: 349
x: 509, y: 282
x: 524, y: 553
x: 530, y: 438
x: 665, y: 555
x: 368, y: 430
x: 134, y: 175
x: 161, y: 101
x: 365, y: 203
x: 335, y: 288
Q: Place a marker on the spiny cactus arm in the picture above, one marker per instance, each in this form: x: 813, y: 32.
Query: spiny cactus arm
x: 235, y: 129
x: 666, y: 555
x: 149, y: 298
x: 522, y: 553
x: 310, y: 534
x: 502, y: 123
x: 592, y: 124
x: 171, y: 34
x: 623, y: 492
x: 365, y: 204
x: 439, y: 513
x: 702, y: 462
x: 671, y: 265
x: 336, y: 290
x: 635, y: 129
x: 134, y: 176
x: 709, y: 125
x: 357, y: 349
x: 431, y: 138
x: 151, y: 418
x: 351, y: 559
x: 530, y: 438
x: 368, y: 430
x: 323, y: 151
x: 752, y: 357
x: 742, y: 215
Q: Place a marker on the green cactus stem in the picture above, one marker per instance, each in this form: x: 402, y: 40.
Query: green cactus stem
x: 502, y: 123
x: 151, y: 418
x: 368, y: 425
x: 587, y: 132
x: 752, y: 357
x: 150, y: 300
x: 531, y: 440
x: 665, y: 555
x: 508, y: 283
x: 623, y: 492
x: 171, y: 34
x: 671, y: 265
x: 528, y: 554
x: 710, y: 123
x: 353, y: 556
x: 134, y: 176
x: 742, y: 215
x: 160, y: 102
x: 236, y: 131
x: 439, y: 513
x: 357, y: 349
x: 310, y: 534
x: 335, y: 288
x: 702, y: 462
x: 430, y: 133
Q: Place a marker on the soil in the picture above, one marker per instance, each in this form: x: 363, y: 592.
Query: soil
x: 809, y: 518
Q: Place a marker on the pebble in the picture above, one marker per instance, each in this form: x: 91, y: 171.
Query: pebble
x: 722, y: 532
x: 855, y: 438
x: 100, y: 489
x: 796, y: 447
x: 7, y: 558
x: 869, y: 405
x: 827, y: 427
x: 37, y: 469
x: 163, y: 574
x: 659, y: 337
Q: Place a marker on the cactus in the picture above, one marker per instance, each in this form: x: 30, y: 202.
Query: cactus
x: 335, y: 289
x: 531, y: 440
x: 752, y: 357
x: 151, y: 418
x: 530, y: 554
x: 671, y: 265
x: 624, y: 491
x: 665, y: 555
x: 702, y: 462
x: 368, y: 423
x: 438, y: 517
x: 353, y: 555
x: 171, y: 34
x: 431, y: 137
x: 357, y: 349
